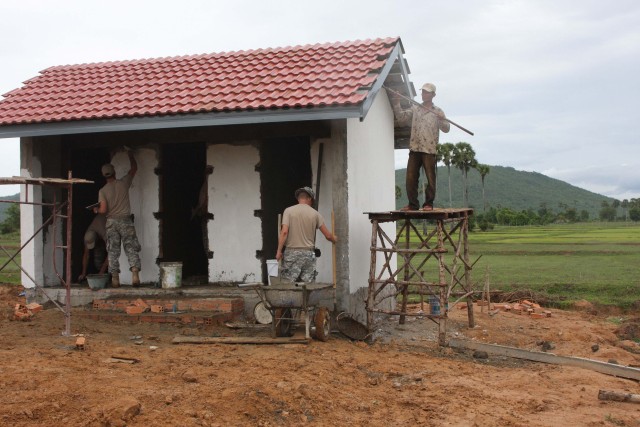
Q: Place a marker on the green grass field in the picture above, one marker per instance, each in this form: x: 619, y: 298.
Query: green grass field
x: 10, y: 243
x: 598, y: 262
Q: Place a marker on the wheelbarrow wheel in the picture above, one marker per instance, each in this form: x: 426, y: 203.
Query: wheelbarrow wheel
x: 322, y: 322
x: 284, y: 322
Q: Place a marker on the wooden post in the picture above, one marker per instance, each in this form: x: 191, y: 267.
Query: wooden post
x: 405, y: 289
x: 67, y: 246
x: 372, y: 276
x: 618, y: 397
x: 333, y: 262
x: 442, y: 287
x: 467, y: 275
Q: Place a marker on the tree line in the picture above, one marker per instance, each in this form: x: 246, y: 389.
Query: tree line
x: 463, y: 157
x: 11, y: 221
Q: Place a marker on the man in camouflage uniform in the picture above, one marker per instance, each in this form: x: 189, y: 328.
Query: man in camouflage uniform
x: 114, y: 203
x: 298, y: 235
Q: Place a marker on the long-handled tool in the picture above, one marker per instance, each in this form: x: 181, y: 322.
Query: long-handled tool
x: 426, y: 108
x: 333, y: 262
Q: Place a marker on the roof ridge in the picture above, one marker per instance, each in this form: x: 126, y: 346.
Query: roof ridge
x: 160, y: 59
x: 316, y: 75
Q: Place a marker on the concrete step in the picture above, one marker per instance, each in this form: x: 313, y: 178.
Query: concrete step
x: 82, y: 296
x: 166, y: 304
x: 193, y: 318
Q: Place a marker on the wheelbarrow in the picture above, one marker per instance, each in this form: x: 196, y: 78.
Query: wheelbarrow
x: 287, y: 302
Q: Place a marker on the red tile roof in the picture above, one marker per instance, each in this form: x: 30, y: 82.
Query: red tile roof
x: 331, y: 74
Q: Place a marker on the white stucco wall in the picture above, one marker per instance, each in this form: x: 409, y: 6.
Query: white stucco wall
x: 30, y: 217
x: 235, y: 234
x: 144, y: 199
x: 37, y: 257
x: 371, y: 183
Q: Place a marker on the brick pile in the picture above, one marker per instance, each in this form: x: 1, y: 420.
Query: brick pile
x: 195, y: 312
x: 532, y: 309
x: 26, y: 312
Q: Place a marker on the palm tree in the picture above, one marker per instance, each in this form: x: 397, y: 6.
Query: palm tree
x: 445, y: 153
x: 464, y: 158
x: 483, y: 170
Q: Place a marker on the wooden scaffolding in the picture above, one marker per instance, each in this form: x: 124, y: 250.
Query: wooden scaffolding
x: 431, y: 262
x: 59, y: 210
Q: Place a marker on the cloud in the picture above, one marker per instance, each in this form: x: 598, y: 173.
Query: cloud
x: 546, y: 85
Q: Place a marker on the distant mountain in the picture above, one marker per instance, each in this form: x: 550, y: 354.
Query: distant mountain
x: 504, y: 187
x: 5, y: 206
x: 509, y: 188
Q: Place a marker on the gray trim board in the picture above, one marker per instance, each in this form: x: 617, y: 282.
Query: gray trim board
x: 179, y: 121
x: 395, y: 55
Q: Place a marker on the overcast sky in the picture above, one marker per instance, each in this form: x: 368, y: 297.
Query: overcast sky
x: 546, y: 85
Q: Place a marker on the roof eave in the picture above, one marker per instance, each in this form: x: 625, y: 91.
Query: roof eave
x: 179, y: 121
x: 395, y: 55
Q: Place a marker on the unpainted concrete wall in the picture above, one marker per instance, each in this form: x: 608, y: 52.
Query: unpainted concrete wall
x: 324, y: 264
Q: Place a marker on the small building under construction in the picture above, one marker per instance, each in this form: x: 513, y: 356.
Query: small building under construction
x: 222, y: 141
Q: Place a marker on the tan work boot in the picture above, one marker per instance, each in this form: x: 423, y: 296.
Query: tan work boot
x: 135, y: 278
x: 115, y: 280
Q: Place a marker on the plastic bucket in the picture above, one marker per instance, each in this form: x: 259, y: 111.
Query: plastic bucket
x: 97, y: 281
x: 434, y: 304
x: 272, y: 268
x: 170, y: 274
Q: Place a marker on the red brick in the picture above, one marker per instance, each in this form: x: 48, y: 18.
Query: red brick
x: 34, y: 307
x: 157, y: 308
x: 80, y: 343
x: 140, y: 303
x: 134, y: 309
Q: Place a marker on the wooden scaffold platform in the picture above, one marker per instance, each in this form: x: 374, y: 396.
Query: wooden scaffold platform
x: 433, y: 261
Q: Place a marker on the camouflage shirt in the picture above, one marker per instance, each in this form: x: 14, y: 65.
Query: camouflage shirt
x: 425, y: 127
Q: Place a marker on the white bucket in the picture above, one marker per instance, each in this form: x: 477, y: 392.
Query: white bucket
x: 272, y: 268
x: 171, y: 274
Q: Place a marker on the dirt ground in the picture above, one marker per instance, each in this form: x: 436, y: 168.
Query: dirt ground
x: 401, y: 379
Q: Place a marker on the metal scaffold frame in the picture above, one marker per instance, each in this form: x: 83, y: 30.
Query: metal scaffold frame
x: 57, y: 212
x: 453, y: 272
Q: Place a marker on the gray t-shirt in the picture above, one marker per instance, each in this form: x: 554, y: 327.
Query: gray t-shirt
x: 303, y: 221
x: 116, y: 195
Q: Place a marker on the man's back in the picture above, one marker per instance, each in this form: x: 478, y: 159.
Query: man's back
x: 303, y: 221
x: 116, y: 194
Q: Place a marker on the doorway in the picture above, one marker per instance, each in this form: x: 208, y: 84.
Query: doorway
x: 183, y: 221
x: 86, y: 163
x: 285, y: 166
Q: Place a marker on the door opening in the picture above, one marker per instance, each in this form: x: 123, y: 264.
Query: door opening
x: 183, y: 235
x: 285, y: 165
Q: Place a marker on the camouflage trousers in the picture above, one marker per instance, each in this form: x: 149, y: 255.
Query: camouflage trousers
x: 122, y: 232
x: 298, y: 266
